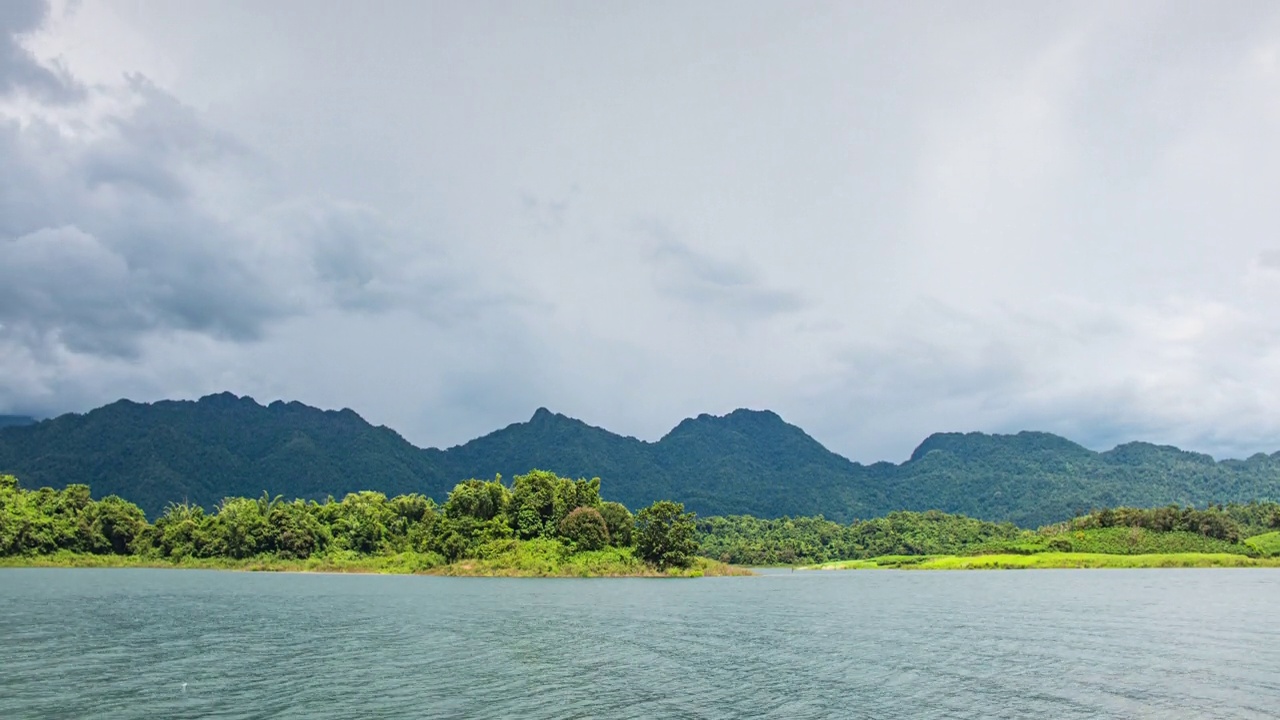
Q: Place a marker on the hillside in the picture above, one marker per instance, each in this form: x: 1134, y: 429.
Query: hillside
x: 746, y: 462
x: 221, y: 445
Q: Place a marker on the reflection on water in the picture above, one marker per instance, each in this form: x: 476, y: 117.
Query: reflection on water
x: 873, y: 644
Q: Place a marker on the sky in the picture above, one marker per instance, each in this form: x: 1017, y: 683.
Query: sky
x: 880, y: 220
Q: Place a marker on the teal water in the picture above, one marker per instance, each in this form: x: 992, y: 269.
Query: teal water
x: 871, y: 644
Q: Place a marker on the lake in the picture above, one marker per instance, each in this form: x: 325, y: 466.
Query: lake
x: 869, y: 644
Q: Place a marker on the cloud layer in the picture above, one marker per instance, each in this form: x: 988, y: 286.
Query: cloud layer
x: 880, y: 221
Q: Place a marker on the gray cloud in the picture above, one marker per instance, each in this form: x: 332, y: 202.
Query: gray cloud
x: 1098, y: 374
x: 879, y: 220
x: 19, y: 70
x: 110, y: 243
x: 730, y: 288
x: 109, y: 233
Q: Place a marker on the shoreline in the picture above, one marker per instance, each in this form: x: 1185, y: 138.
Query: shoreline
x: 371, y: 565
x: 1051, y: 561
x: 411, y: 564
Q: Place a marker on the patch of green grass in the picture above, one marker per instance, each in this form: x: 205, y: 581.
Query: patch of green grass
x: 1023, y: 546
x: 1267, y: 544
x: 1061, y: 560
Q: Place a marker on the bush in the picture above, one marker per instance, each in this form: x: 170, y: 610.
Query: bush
x: 1060, y: 544
x: 585, y: 528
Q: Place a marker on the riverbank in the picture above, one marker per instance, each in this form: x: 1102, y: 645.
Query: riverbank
x: 581, y: 565
x: 1049, y: 560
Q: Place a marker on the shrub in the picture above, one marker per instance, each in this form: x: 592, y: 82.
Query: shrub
x: 586, y: 528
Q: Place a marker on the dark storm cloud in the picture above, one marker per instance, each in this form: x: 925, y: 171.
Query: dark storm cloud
x: 110, y: 231
x: 105, y: 242
x: 18, y: 69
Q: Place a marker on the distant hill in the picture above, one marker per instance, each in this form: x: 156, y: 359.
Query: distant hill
x: 16, y: 420
x: 746, y: 462
x: 222, y: 445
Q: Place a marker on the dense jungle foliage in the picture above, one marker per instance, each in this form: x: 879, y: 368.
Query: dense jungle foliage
x: 481, y: 519
x: 1246, y: 529
x: 744, y: 463
x: 544, y: 518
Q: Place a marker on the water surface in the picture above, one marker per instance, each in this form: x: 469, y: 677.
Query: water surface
x: 870, y: 644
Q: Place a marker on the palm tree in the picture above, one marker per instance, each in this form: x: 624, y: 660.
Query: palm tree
x: 266, y: 503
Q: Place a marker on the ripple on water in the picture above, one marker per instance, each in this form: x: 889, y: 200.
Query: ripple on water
x: 881, y: 644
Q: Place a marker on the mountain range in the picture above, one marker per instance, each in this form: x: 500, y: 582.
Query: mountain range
x: 746, y: 462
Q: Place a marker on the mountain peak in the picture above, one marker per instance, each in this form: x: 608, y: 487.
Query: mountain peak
x: 758, y: 426
x: 227, y: 399
x: 755, y: 416
x: 542, y: 415
x: 1139, y: 452
x: 975, y: 444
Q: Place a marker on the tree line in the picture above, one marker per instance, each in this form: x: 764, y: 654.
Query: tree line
x: 537, y: 505
x: 1231, y: 523
x: 742, y: 539
x: 480, y: 515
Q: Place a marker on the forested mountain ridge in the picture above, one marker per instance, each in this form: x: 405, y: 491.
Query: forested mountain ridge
x: 745, y: 463
x: 222, y: 445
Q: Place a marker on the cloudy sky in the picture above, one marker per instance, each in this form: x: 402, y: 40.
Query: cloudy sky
x: 878, y: 219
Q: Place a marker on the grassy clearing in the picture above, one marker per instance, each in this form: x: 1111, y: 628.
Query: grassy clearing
x: 535, y: 558
x: 1050, y: 560
x: 1267, y: 544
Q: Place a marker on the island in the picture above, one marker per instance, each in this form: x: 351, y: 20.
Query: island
x: 541, y: 525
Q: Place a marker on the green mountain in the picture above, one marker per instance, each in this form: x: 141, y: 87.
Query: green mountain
x: 746, y: 462
x: 567, y: 447
x: 219, y: 446
x: 16, y: 420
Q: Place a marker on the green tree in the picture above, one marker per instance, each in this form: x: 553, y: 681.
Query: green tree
x: 478, y: 499
x: 413, y: 522
x: 182, y: 531
x: 540, y: 500
x: 239, y: 529
x: 620, y: 522
x: 296, y: 531
x: 360, y: 521
x: 536, y: 506
x: 666, y: 535
x: 585, y: 528
x: 120, y: 523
